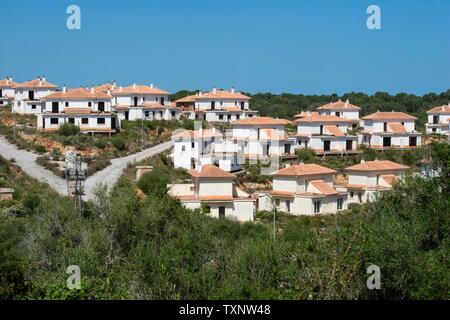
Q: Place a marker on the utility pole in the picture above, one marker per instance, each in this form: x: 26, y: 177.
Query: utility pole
x: 75, y: 178
x: 14, y: 120
x: 142, y: 130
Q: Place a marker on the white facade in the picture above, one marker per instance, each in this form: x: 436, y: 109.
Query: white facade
x: 304, y: 190
x: 368, y: 179
x: 389, y: 130
x: 214, y: 190
x: 204, y: 146
x: 28, y: 96
x: 7, y: 90
x: 439, y: 120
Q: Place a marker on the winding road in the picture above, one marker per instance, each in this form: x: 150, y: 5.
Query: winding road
x: 109, y: 175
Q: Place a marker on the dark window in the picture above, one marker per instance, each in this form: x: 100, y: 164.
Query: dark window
x: 359, y: 197
x: 352, y: 194
x: 435, y: 119
x: 349, y: 144
x: 54, y: 120
x: 338, y: 114
x: 434, y: 129
x: 192, y: 145
x: 327, y: 145
x: 220, y: 116
x: 67, y: 103
x: 213, y: 105
x: 173, y: 114
x: 1, y: 93
x: 135, y: 102
x: 386, y: 141
x: 413, y: 141
x: 147, y: 114
x: 127, y: 115
x: 85, y: 120
x: 71, y: 120
x: 31, y: 95
x: 100, y: 120
x: 89, y: 104
x: 238, y: 116
x: 55, y: 107
x: 340, y: 204
x: 317, y: 206
x: 33, y: 107
x: 101, y: 106
x: 162, y: 100
x: 242, y: 105
x: 229, y: 116
x: 321, y: 129
x: 288, y: 206
x: 385, y: 126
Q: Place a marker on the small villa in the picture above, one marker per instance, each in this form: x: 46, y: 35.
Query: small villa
x: 325, y: 134
x: 193, y: 148
x: 369, y: 178
x: 88, y: 109
x: 216, y: 106
x: 342, y: 109
x: 138, y: 102
x: 7, y: 90
x: 262, y: 137
x: 439, y: 120
x: 389, y: 130
x: 28, y: 95
x: 304, y: 189
x: 214, y: 190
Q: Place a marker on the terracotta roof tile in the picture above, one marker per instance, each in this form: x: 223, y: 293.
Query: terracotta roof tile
x: 138, y: 89
x: 78, y: 94
x: 377, y: 166
x: 304, y: 170
x: 440, y: 109
x: 255, y: 121
x: 389, y: 116
x: 210, y: 171
x: 205, y: 133
x: 316, y: 117
x: 323, y: 187
x: 389, y: 178
x: 6, y: 83
x: 36, y: 83
x: 339, y: 105
x: 396, y: 127
x: 334, y: 130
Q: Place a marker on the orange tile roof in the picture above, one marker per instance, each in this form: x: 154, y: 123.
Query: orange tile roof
x: 334, y: 130
x: 191, y: 134
x: 282, y: 193
x: 396, y: 127
x: 78, y: 94
x: 271, y: 134
x: 440, y: 109
x: 210, y: 171
x: 36, y: 83
x: 105, y: 87
x: 339, y: 105
x: 255, y: 121
x: 316, y: 117
x: 217, y: 95
x: 377, y: 165
x: 389, y: 178
x: 323, y: 187
x: 138, y: 89
x: 6, y: 83
x: 304, y: 170
x: 389, y: 116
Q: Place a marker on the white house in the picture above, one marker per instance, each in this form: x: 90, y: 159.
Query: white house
x: 342, y: 109
x: 193, y: 148
x: 214, y: 190
x: 369, y: 178
x: 439, y: 120
x: 325, y: 134
x: 385, y: 130
x: 304, y: 189
x: 138, y: 102
x: 7, y: 90
x: 216, y: 106
x: 28, y: 95
x: 262, y: 137
x: 86, y: 108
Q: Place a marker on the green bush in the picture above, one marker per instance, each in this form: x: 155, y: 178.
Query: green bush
x: 68, y: 129
x: 101, y: 144
x: 306, y: 155
x: 118, y: 143
x: 154, y: 182
x: 40, y: 149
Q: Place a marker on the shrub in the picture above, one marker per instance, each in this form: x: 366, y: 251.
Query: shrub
x: 306, y: 155
x: 31, y: 201
x: 40, y: 149
x: 118, y: 143
x: 100, y: 144
x: 68, y: 129
x: 154, y: 182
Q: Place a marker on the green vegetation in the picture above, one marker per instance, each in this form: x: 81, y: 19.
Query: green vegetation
x: 68, y: 129
x: 132, y: 247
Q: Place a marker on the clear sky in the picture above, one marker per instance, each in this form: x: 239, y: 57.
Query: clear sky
x: 309, y: 46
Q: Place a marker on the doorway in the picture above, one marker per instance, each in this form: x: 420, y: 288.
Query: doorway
x: 327, y: 145
x: 386, y: 141
x: 221, y: 212
x: 413, y: 141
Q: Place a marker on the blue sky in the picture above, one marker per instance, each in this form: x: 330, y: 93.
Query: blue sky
x: 310, y: 47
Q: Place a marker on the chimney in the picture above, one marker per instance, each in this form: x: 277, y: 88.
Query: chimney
x: 64, y: 89
x: 43, y: 78
x: 10, y: 79
x: 108, y: 92
x: 200, y: 93
x: 287, y: 165
x: 301, y: 163
x: 134, y: 85
x: 151, y: 85
x: 120, y: 89
x: 376, y: 159
x: 363, y: 161
x: 232, y: 89
x: 40, y: 81
x: 92, y: 90
x: 114, y: 84
x: 347, y: 102
x: 214, y: 90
